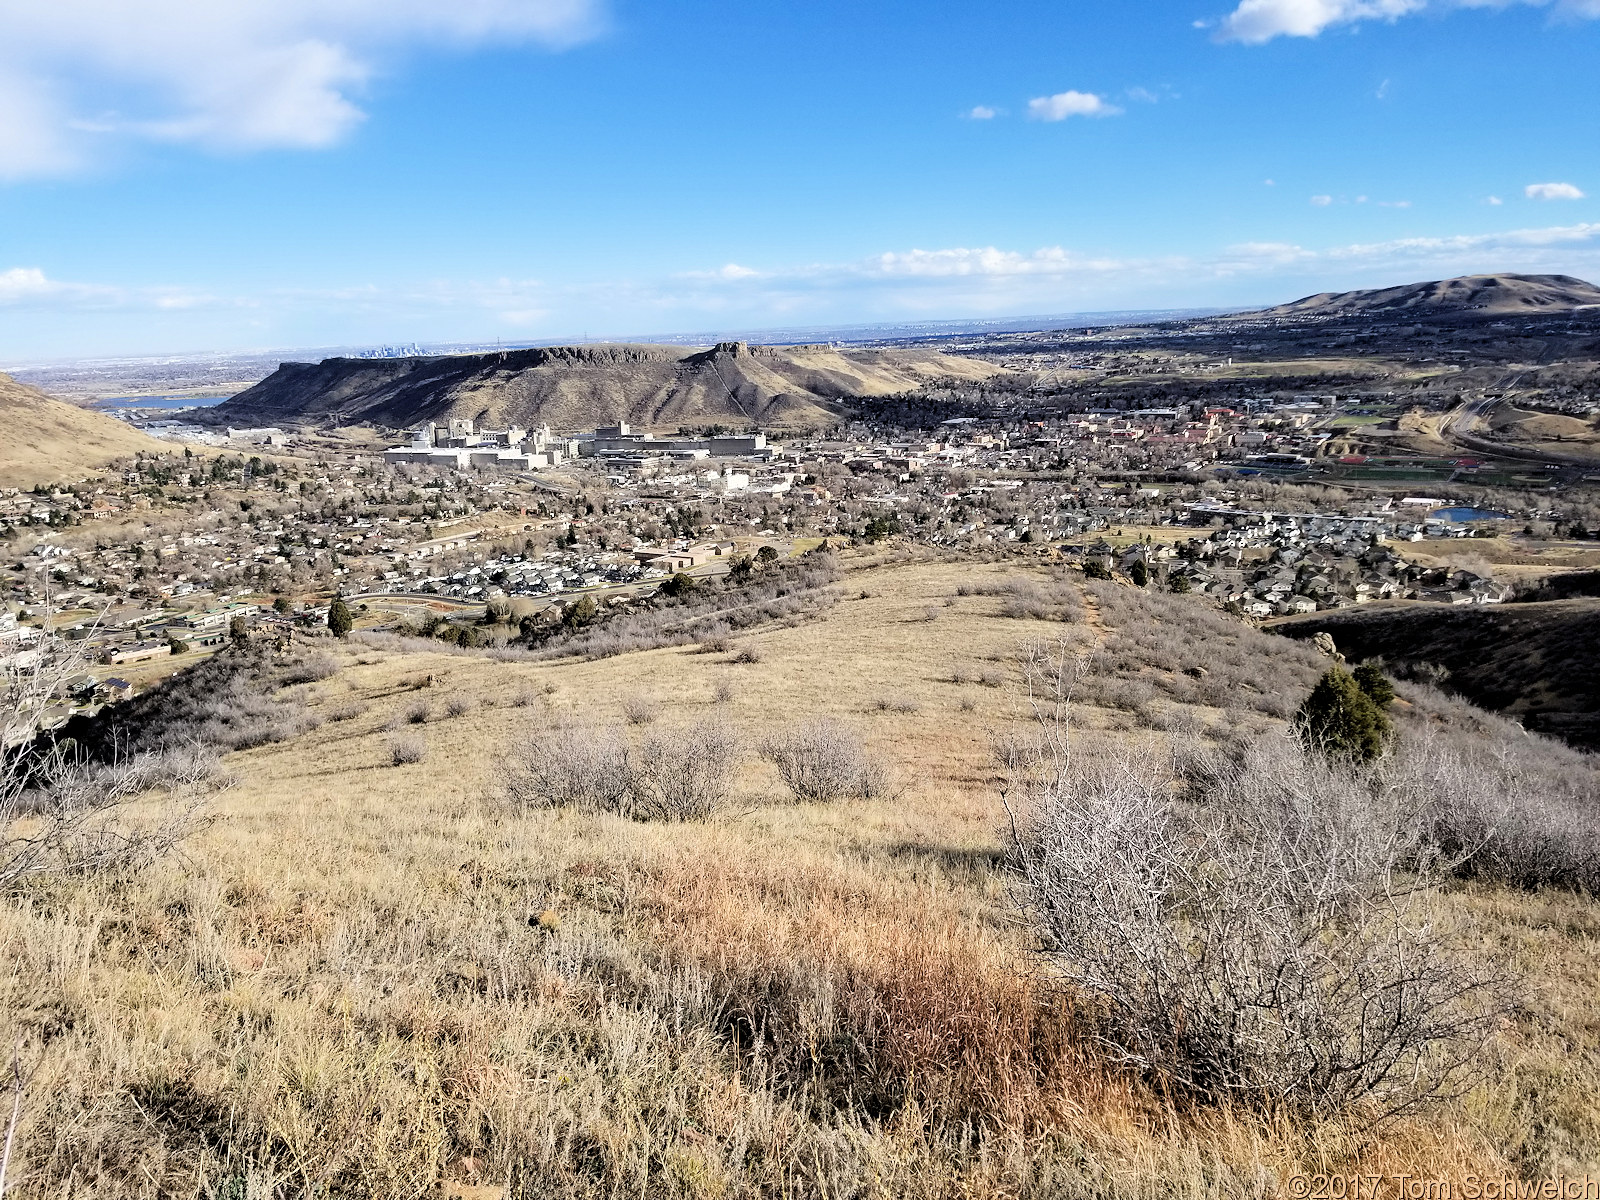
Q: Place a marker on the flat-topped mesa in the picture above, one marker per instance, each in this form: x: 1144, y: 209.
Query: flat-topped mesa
x: 579, y: 387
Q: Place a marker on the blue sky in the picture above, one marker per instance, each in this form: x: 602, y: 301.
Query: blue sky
x: 178, y: 176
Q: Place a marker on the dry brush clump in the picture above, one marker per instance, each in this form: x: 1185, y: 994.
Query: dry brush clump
x: 669, y: 775
x: 233, y: 700
x: 65, y: 811
x: 1258, y: 924
x: 794, y: 591
x: 406, y: 749
x: 1263, y: 929
x: 824, y: 760
x: 1514, y: 807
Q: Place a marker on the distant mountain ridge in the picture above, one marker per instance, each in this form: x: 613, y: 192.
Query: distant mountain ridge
x: 1486, y: 294
x: 574, y: 387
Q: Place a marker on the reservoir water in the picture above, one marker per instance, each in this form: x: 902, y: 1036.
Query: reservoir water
x: 1464, y: 515
x: 158, y: 402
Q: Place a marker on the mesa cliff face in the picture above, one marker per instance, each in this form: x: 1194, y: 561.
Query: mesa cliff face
x: 572, y: 387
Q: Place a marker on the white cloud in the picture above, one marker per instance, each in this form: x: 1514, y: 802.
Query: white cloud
x: 983, y: 113
x: 1070, y: 104
x: 226, y: 74
x: 1552, y: 191
x: 1322, y: 201
x: 1494, y: 201
x: 1257, y: 21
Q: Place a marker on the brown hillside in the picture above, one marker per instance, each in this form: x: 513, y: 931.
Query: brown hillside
x: 1483, y: 294
x: 573, y: 387
x: 1537, y: 662
x: 48, y: 441
x: 384, y: 977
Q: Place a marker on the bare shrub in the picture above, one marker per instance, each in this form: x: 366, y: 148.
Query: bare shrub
x: 418, y: 713
x: 526, y: 695
x: 63, y: 813
x: 1519, y: 808
x: 823, y: 760
x: 347, y: 712
x: 407, y: 748
x: 723, y: 693
x: 310, y: 668
x: 991, y: 678
x: 897, y: 704
x: 640, y: 710
x: 967, y: 702
x: 749, y: 654
x: 1259, y: 927
x: 572, y: 766
x: 458, y: 705
x: 683, y: 775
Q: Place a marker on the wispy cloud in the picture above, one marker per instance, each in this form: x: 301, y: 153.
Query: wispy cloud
x: 1322, y: 201
x: 905, y: 283
x: 1257, y: 21
x: 78, y: 75
x: 1552, y: 191
x: 982, y: 113
x: 1070, y: 104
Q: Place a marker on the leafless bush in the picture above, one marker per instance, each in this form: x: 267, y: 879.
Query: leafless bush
x: 991, y: 678
x: 897, y: 704
x: 823, y: 760
x: 1259, y: 927
x: 723, y: 693
x: 526, y: 695
x: 640, y: 710
x: 417, y: 713
x: 967, y: 702
x: 407, y: 748
x: 458, y: 706
x: 571, y: 766
x: 1519, y: 808
x: 347, y: 712
x: 683, y: 775
x: 310, y: 668
x: 64, y: 813
x: 749, y: 654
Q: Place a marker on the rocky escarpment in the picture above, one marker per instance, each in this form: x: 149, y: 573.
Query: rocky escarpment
x: 573, y: 387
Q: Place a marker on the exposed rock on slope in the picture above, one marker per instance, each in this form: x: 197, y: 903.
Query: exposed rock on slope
x: 573, y: 387
x: 1481, y: 294
x: 48, y: 441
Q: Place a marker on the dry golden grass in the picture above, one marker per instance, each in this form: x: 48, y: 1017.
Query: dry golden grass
x: 369, y: 980
x: 48, y: 441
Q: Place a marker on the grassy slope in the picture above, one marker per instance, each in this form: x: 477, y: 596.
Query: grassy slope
x: 341, y: 986
x: 48, y: 441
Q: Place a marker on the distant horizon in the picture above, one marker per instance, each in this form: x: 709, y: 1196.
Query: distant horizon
x: 802, y: 335
x: 175, y: 174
